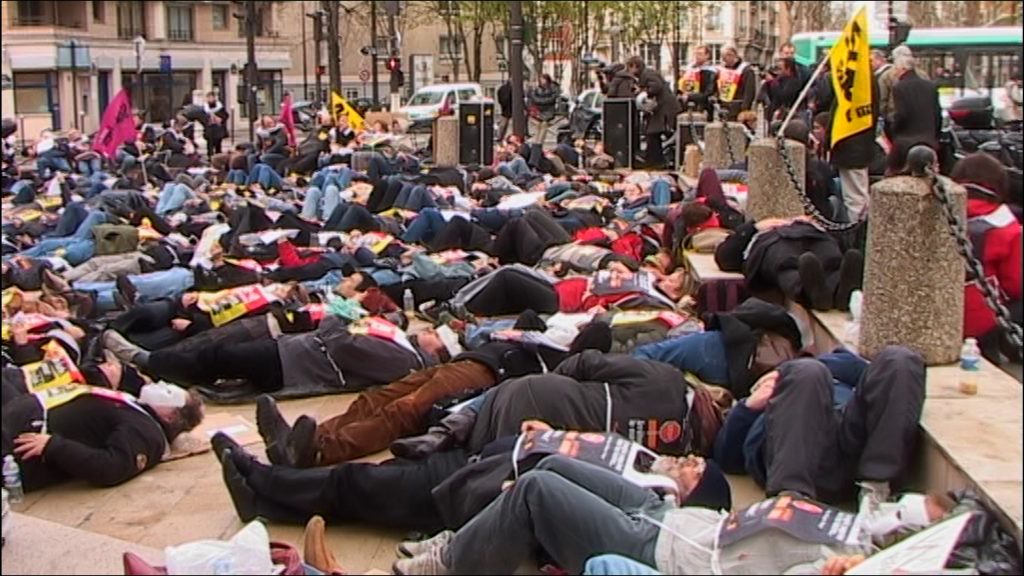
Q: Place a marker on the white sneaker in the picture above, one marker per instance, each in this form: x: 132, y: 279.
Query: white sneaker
x: 411, y: 549
x: 428, y: 564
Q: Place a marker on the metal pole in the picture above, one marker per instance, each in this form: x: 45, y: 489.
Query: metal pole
x: 333, y: 52
x: 318, y: 37
x: 395, y: 96
x: 516, y: 64
x: 675, y: 46
x: 74, y: 80
x: 137, y: 95
x: 373, y: 52
x: 250, y: 66
x: 305, y: 58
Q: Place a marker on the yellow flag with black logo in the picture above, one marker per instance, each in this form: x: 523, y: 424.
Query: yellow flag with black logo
x: 851, y: 79
x: 341, y: 106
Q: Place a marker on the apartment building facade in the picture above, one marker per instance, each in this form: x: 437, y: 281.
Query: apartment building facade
x: 66, y: 60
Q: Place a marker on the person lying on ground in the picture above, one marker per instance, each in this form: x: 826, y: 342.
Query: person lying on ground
x: 94, y: 434
x: 576, y: 511
x: 334, y: 357
x: 380, y: 416
x: 818, y: 426
x: 441, y: 492
x: 796, y: 257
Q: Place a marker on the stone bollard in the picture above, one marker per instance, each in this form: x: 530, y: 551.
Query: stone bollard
x: 446, y: 141
x: 913, y: 274
x: 684, y: 133
x: 692, y: 159
x: 716, y: 151
x: 770, y: 190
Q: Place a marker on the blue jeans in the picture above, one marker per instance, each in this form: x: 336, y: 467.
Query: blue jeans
x: 609, y: 564
x: 661, y: 193
x: 172, y: 198
x: 50, y: 162
x: 90, y: 167
x: 75, y: 251
x: 237, y: 177
x: 415, y: 198
x: 266, y: 177
x: 340, y: 178
x: 427, y: 225
x: 493, y: 219
x: 703, y: 354
x: 24, y: 192
x: 513, y: 169
x: 320, y: 203
x: 125, y: 160
x: 149, y: 287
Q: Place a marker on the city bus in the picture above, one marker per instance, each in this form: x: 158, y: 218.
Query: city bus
x: 963, y: 61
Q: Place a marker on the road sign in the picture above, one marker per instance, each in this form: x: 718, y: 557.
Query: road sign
x: 364, y: 75
x: 165, y: 63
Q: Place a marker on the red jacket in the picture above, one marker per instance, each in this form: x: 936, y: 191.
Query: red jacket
x: 289, y: 257
x: 573, y: 296
x: 1001, y: 260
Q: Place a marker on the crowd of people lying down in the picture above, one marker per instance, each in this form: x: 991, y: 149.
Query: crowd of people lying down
x: 473, y: 311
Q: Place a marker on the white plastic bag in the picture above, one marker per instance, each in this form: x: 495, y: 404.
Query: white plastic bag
x: 248, y: 552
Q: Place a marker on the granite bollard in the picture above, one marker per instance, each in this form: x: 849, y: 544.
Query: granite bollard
x: 771, y: 191
x: 716, y: 147
x: 446, y: 141
x: 913, y: 276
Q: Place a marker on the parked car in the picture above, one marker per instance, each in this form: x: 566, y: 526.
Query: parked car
x: 428, y: 102
x: 584, y: 117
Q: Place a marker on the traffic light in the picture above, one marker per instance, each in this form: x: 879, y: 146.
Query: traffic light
x: 394, y: 64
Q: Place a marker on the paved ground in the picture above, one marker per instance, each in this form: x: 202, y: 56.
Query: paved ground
x: 185, y: 500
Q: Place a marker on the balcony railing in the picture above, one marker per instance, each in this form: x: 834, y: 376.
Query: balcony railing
x: 179, y: 34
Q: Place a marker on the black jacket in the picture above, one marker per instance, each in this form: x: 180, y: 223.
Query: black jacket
x: 857, y: 151
x: 545, y: 98
x: 273, y: 141
x: 621, y: 85
x: 663, y: 119
x: 99, y: 440
x: 918, y: 115
x: 505, y: 99
x: 774, y: 250
x: 741, y: 329
x: 645, y: 397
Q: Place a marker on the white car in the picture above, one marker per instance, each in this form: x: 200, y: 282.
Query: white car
x: 426, y: 104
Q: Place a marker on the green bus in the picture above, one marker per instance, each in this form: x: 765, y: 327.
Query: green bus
x: 963, y: 61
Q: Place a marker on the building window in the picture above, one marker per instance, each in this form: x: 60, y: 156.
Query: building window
x: 651, y: 53
x: 32, y: 92
x: 258, y: 32
x: 31, y: 14
x: 351, y: 94
x: 450, y: 47
x: 713, y: 18
x: 220, y: 16
x: 179, y: 22
x: 716, y: 53
x: 131, y: 20
x: 99, y: 11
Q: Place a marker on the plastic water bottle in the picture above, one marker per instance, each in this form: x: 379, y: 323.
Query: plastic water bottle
x: 970, y: 356
x: 12, y: 480
x: 408, y: 302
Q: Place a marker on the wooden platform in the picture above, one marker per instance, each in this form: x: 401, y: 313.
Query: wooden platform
x: 969, y: 441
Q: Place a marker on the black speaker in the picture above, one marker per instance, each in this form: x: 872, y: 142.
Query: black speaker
x: 621, y: 130
x: 476, y: 133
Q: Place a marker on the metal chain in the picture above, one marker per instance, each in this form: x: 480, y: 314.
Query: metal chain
x: 809, y: 208
x: 963, y: 244
x: 693, y: 133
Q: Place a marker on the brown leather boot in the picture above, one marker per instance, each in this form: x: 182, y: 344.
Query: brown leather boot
x: 315, y: 551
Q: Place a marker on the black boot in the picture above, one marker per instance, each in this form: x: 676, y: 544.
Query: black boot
x: 851, y: 278
x: 812, y: 277
x: 453, y: 430
x: 274, y: 430
x: 302, y: 443
x: 242, y: 496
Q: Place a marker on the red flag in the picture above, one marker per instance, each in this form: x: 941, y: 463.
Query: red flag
x: 117, y: 126
x: 288, y: 119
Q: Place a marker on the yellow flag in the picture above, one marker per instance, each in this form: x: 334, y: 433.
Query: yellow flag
x: 851, y: 79
x: 341, y: 106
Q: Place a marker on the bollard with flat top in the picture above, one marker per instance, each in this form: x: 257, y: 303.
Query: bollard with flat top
x: 913, y: 274
x: 771, y: 192
x: 446, y: 141
x: 716, y: 148
x: 689, y: 132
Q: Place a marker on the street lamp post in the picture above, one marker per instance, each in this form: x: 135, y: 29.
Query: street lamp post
x: 305, y: 57
x: 139, y: 43
x: 318, y: 38
x: 374, y: 76
x: 73, y: 44
x: 250, y: 66
x: 516, y: 61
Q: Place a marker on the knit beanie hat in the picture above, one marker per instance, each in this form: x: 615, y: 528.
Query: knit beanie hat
x: 713, y: 490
